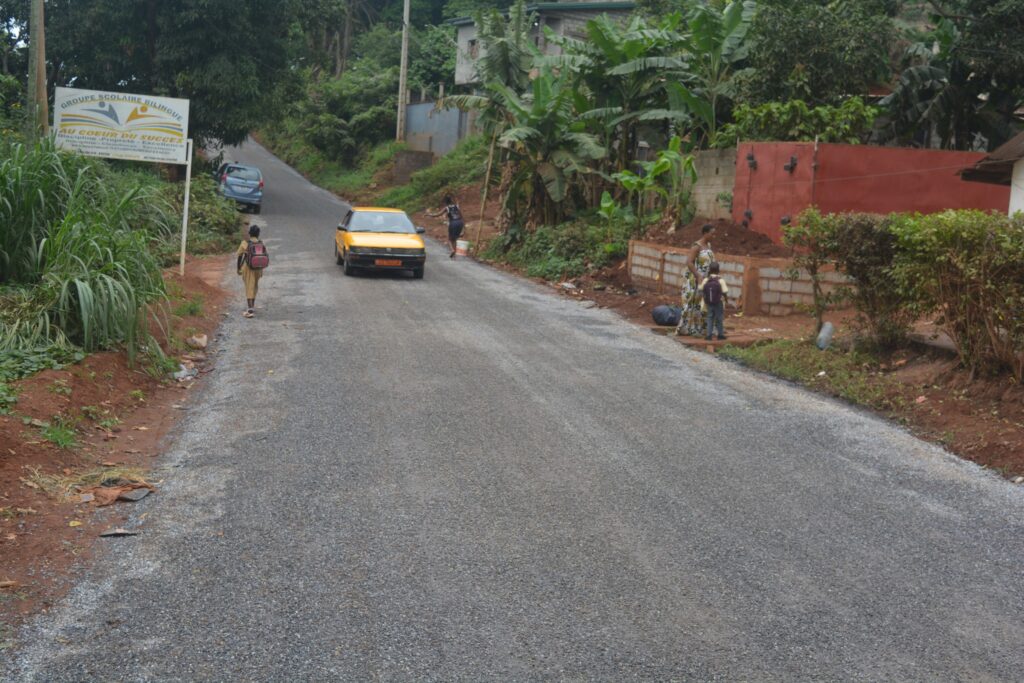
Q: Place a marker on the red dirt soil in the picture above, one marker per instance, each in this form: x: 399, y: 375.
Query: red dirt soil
x: 729, y: 238
x: 39, y: 549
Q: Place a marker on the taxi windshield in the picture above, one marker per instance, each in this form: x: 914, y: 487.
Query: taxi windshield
x: 381, y: 221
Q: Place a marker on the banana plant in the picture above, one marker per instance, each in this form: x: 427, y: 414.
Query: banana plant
x: 941, y: 93
x: 718, y: 43
x: 547, y: 146
x: 678, y: 168
x: 620, y: 74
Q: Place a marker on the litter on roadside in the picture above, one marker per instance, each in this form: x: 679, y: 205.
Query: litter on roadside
x: 185, y: 373
x: 114, y: 533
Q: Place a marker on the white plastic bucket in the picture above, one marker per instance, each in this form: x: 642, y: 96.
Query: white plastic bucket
x: 462, y: 247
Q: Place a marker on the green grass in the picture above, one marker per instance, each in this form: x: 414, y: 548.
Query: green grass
x: 75, y: 269
x: 287, y: 142
x: 851, y: 375
x: 465, y: 164
x: 60, y: 387
x: 61, y: 432
x: 190, y: 307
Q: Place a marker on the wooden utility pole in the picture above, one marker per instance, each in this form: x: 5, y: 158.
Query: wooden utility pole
x: 37, y: 121
x: 403, y: 77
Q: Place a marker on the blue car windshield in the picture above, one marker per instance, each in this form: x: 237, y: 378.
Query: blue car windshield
x: 381, y: 221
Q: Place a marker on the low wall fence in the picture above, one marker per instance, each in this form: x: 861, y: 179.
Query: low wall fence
x: 765, y: 285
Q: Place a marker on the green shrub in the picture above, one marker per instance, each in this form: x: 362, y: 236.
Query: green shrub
x: 864, y: 247
x: 214, y: 223
x: 564, y: 251
x: 852, y: 122
x: 811, y: 238
x: 968, y: 266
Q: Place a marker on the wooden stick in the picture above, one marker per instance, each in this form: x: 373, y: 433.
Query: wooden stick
x: 487, y: 187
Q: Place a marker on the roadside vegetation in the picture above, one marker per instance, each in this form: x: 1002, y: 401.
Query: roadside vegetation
x: 564, y: 131
x: 851, y: 374
x: 82, y: 252
x: 462, y: 166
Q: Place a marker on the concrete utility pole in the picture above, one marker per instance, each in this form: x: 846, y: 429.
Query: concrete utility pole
x: 37, y: 121
x: 403, y: 78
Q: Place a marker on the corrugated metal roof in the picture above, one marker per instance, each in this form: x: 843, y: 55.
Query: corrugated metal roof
x: 997, y: 167
x: 555, y: 6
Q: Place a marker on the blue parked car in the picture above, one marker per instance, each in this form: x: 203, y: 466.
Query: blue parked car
x: 244, y: 184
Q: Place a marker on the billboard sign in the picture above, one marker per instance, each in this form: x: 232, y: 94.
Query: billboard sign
x: 121, y: 126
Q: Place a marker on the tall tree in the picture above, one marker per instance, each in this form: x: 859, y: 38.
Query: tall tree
x: 227, y: 57
x: 819, y: 52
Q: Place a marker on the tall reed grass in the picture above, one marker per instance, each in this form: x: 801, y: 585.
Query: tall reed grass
x: 75, y: 265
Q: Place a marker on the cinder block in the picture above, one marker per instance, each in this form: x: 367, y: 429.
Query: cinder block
x: 729, y: 267
x: 674, y: 269
x: 781, y: 285
x: 763, y: 284
x: 647, y: 251
x: 771, y: 273
x: 803, y: 288
x: 779, y: 310
x: 807, y: 299
x: 770, y: 297
x: 643, y: 272
x: 789, y: 299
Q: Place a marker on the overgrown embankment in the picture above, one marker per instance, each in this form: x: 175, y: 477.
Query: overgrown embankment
x: 349, y: 179
x: 82, y: 251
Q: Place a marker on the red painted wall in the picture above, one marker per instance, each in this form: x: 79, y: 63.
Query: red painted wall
x: 854, y: 178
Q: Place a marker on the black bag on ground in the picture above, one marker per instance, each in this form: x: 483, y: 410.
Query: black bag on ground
x: 666, y: 315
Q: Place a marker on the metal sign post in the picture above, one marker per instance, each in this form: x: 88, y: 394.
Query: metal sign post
x: 184, y: 212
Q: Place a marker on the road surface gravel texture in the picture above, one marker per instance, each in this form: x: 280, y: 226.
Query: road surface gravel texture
x: 469, y: 478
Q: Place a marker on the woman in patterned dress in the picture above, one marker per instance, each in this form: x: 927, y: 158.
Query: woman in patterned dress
x: 692, y: 321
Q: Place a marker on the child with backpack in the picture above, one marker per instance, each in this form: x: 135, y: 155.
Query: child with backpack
x: 455, y: 223
x: 714, y: 290
x: 252, y: 259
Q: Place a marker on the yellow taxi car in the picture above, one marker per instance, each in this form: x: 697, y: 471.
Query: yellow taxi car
x: 381, y: 239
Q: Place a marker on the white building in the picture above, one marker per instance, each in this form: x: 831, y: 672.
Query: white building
x: 565, y: 18
x: 1005, y: 166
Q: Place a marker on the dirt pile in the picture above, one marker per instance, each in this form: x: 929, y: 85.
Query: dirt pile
x: 730, y: 238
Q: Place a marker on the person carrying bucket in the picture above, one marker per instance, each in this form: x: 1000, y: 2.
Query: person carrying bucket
x: 455, y: 223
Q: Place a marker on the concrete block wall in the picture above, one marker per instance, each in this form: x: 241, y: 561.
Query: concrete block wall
x: 761, y: 286
x: 716, y: 175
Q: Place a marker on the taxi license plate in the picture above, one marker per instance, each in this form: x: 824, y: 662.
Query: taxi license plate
x: 387, y: 262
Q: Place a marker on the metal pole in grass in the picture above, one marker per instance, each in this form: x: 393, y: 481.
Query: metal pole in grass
x: 184, y: 211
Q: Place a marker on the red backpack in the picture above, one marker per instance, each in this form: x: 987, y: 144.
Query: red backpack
x: 256, y: 255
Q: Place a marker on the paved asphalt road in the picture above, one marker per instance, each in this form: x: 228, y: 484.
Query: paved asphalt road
x: 467, y: 478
